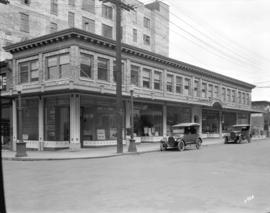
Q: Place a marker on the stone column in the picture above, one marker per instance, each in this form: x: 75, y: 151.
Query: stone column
x: 14, y: 124
x: 164, y: 120
x: 74, y: 122
x: 41, y: 123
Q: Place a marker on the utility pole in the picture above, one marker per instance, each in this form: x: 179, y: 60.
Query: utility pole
x: 119, y: 103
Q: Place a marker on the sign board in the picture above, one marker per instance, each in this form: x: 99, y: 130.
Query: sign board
x: 101, y: 134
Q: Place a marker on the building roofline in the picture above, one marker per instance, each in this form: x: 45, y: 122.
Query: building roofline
x: 74, y: 33
x: 260, y: 102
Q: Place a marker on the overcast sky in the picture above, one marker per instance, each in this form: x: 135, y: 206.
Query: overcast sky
x: 231, y: 37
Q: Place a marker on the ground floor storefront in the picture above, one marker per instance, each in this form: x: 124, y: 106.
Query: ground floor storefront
x: 83, y: 120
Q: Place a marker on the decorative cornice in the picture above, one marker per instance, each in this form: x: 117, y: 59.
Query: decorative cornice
x: 78, y: 34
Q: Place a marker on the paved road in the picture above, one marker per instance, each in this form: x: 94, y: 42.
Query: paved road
x: 217, y: 178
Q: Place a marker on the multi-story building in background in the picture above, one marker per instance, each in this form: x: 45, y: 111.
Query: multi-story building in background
x: 146, y: 27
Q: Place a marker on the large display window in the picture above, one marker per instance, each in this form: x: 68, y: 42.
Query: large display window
x: 147, y: 119
x: 177, y: 115
x: 98, y: 119
x: 57, y: 118
x: 29, y: 119
x: 228, y: 119
x: 210, y: 121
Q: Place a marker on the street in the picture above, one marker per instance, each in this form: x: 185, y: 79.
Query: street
x: 216, y: 178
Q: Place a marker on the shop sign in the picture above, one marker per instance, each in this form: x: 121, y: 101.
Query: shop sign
x: 101, y: 134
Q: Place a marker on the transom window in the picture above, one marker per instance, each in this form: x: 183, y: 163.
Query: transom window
x: 86, y: 67
x: 134, y: 78
x: 157, y: 80
x: 58, y: 67
x: 103, y: 68
x: 146, y: 78
x: 169, y: 83
x: 107, y: 11
x: 28, y: 71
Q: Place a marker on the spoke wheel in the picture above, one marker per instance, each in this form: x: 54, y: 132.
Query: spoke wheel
x: 181, y: 146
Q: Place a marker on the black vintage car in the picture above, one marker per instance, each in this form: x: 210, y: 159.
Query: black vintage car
x: 183, y: 134
x: 239, y: 133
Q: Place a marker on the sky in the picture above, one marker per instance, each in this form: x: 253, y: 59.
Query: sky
x: 230, y: 37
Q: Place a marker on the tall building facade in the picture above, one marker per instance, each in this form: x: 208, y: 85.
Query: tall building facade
x: 68, y: 88
x: 146, y: 27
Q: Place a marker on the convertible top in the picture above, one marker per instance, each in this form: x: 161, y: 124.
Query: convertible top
x: 186, y: 124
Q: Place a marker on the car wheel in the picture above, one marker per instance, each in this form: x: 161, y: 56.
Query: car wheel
x: 226, y: 140
x: 181, y: 145
x: 198, y: 143
x: 163, y: 147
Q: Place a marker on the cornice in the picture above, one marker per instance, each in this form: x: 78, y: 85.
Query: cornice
x: 78, y: 34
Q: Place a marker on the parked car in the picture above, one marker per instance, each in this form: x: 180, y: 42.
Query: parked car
x: 239, y: 133
x: 182, y: 135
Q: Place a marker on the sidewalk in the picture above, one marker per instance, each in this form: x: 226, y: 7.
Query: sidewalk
x: 90, y: 153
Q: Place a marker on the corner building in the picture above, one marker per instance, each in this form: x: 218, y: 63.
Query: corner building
x: 67, y: 82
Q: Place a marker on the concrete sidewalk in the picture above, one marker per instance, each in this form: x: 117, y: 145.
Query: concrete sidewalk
x: 90, y: 153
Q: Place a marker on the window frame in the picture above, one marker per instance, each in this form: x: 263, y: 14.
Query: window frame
x: 107, y: 71
x: 138, y: 72
x: 71, y: 19
x: 58, y: 65
x: 107, y: 12
x: 169, y: 85
x: 157, y: 81
x: 146, y: 79
x: 29, y: 71
x: 54, y: 7
x: 92, y: 61
x: 89, y: 22
x: 146, y: 22
x: 24, y: 22
x: 146, y: 40
x: 107, y: 27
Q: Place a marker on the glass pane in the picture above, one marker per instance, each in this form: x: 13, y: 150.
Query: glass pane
x: 34, y: 75
x: 64, y: 59
x: 65, y: 71
x: 52, y: 61
x: 103, y: 70
x: 24, y: 73
x: 53, y: 73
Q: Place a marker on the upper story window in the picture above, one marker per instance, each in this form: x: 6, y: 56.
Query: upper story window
x: 88, y: 5
x: 53, y: 27
x: 146, y: 78
x: 27, y: 2
x: 88, y: 24
x: 28, y: 71
x: 244, y: 98
x: 86, y: 66
x: 54, y: 7
x: 215, y: 95
x: 103, y: 69
x: 71, y: 19
x: 71, y: 2
x: 134, y: 16
x: 135, y: 35
x: 107, y: 31
x: 187, y: 87
x: 239, y: 97
x: 179, y: 85
x: 157, y: 80
x: 210, y: 91
x: 204, y: 89
x: 107, y: 12
x: 223, y: 94
x: 24, y: 24
x: 196, y: 88
x: 228, y: 95
x: 3, y: 81
x: 58, y: 67
x: 146, y: 22
x: 233, y: 96
x: 248, y: 99
x: 134, y: 75
x: 146, y: 39
x: 169, y: 83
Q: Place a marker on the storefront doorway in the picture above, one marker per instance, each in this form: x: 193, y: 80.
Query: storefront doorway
x: 210, y: 121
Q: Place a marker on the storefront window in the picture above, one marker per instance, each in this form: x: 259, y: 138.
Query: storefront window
x: 98, y: 119
x: 177, y: 115
x: 29, y: 119
x: 56, y: 117
x: 243, y: 118
x: 228, y: 119
x: 210, y: 121
x: 147, y: 119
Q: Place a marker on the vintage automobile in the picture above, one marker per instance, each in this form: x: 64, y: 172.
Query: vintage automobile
x: 182, y: 135
x: 239, y: 133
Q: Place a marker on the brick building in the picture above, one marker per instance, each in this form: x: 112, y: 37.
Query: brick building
x: 67, y: 81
